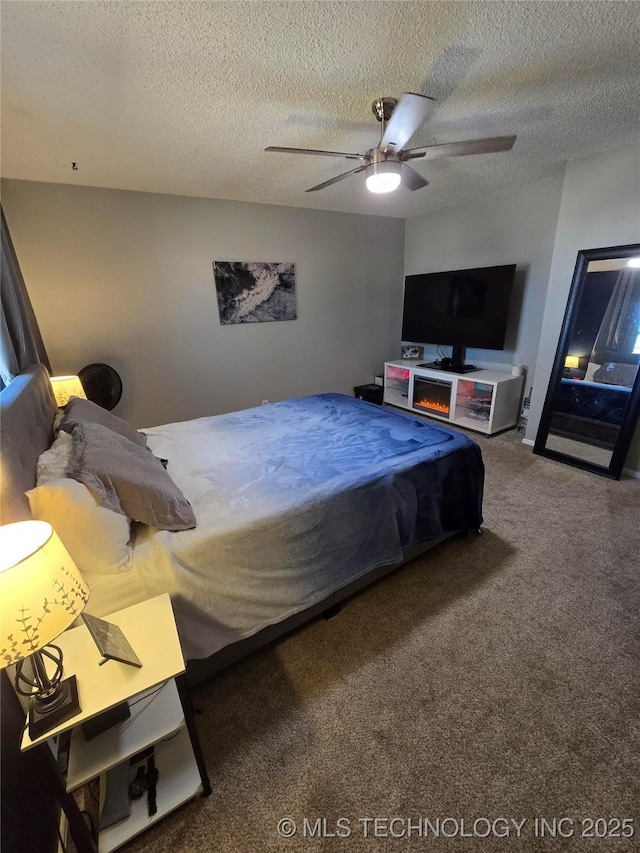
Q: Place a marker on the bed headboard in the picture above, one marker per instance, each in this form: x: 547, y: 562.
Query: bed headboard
x: 27, y: 409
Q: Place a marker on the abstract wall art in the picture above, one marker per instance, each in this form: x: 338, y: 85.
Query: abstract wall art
x: 255, y: 291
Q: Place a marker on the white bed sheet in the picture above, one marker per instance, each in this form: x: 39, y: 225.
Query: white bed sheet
x: 320, y: 519
x: 222, y: 590
x: 115, y: 591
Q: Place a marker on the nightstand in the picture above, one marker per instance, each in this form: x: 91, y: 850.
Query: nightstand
x: 161, y: 716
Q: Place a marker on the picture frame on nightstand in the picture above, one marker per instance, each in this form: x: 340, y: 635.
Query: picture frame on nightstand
x: 111, y: 642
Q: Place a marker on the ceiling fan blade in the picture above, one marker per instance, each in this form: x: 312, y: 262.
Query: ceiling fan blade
x: 460, y: 149
x: 411, y: 179
x: 336, y: 179
x: 279, y: 150
x: 408, y: 114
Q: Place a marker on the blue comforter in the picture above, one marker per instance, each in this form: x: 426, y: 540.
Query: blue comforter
x: 296, y: 499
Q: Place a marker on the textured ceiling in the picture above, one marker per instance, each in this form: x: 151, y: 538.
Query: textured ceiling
x: 182, y: 97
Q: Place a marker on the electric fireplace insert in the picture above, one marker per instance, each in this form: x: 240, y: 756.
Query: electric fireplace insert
x: 432, y: 396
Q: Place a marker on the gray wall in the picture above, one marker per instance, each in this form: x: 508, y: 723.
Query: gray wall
x: 515, y: 226
x: 600, y: 207
x: 126, y: 278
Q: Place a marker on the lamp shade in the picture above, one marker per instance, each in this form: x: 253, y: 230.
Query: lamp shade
x: 65, y: 387
x: 572, y: 362
x: 383, y: 176
x: 41, y: 589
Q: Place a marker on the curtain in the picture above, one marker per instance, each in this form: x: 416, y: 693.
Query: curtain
x: 618, y: 334
x: 20, y: 340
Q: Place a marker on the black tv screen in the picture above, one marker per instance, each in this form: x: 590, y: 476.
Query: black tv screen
x: 461, y: 308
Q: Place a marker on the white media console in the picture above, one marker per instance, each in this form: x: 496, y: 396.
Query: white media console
x: 484, y: 400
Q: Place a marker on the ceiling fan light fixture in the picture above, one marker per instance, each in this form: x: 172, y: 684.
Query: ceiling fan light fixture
x: 383, y: 177
x: 385, y: 165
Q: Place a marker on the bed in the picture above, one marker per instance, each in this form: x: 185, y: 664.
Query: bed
x: 297, y: 505
x: 591, y: 412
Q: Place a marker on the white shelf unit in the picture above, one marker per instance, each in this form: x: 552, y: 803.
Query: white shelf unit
x: 156, y: 716
x: 160, y: 716
x: 486, y: 401
x: 178, y: 782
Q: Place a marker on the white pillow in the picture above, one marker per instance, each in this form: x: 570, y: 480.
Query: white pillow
x: 52, y: 464
x: 591, y: 369
x: 96, y: 538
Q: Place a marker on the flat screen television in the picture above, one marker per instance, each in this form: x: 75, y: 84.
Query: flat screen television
x: 459, y: 309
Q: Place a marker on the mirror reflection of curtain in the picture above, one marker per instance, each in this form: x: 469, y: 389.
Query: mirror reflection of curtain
x: 617, y: 339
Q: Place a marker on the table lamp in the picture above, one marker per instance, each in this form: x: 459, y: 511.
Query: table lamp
x: 65, y: 387
x: 572, y: 362
x: 41, y: 594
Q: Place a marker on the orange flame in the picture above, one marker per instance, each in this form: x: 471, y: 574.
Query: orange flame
x: 433, y: 405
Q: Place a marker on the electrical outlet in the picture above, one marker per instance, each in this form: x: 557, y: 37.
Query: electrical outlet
x: 264, y: 402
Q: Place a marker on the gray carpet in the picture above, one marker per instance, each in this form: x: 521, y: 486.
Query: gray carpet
x: 495, y: 678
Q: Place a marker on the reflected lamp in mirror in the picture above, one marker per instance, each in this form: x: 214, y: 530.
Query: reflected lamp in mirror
x: 572, y: 367
x: 65, y: 387
x: 41, y: 594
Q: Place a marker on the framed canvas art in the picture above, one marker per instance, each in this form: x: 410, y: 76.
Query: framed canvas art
x: 255, y: 291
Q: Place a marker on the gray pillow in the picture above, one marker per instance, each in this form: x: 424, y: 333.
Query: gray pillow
x: 79, y: 411
x: 127, y: 478
x: 611, y: 373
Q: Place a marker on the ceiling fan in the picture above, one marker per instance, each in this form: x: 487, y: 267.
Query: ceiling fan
x: 385, y: 165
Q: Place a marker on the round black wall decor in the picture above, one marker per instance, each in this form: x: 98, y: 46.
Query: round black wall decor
x: 101, y: 384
